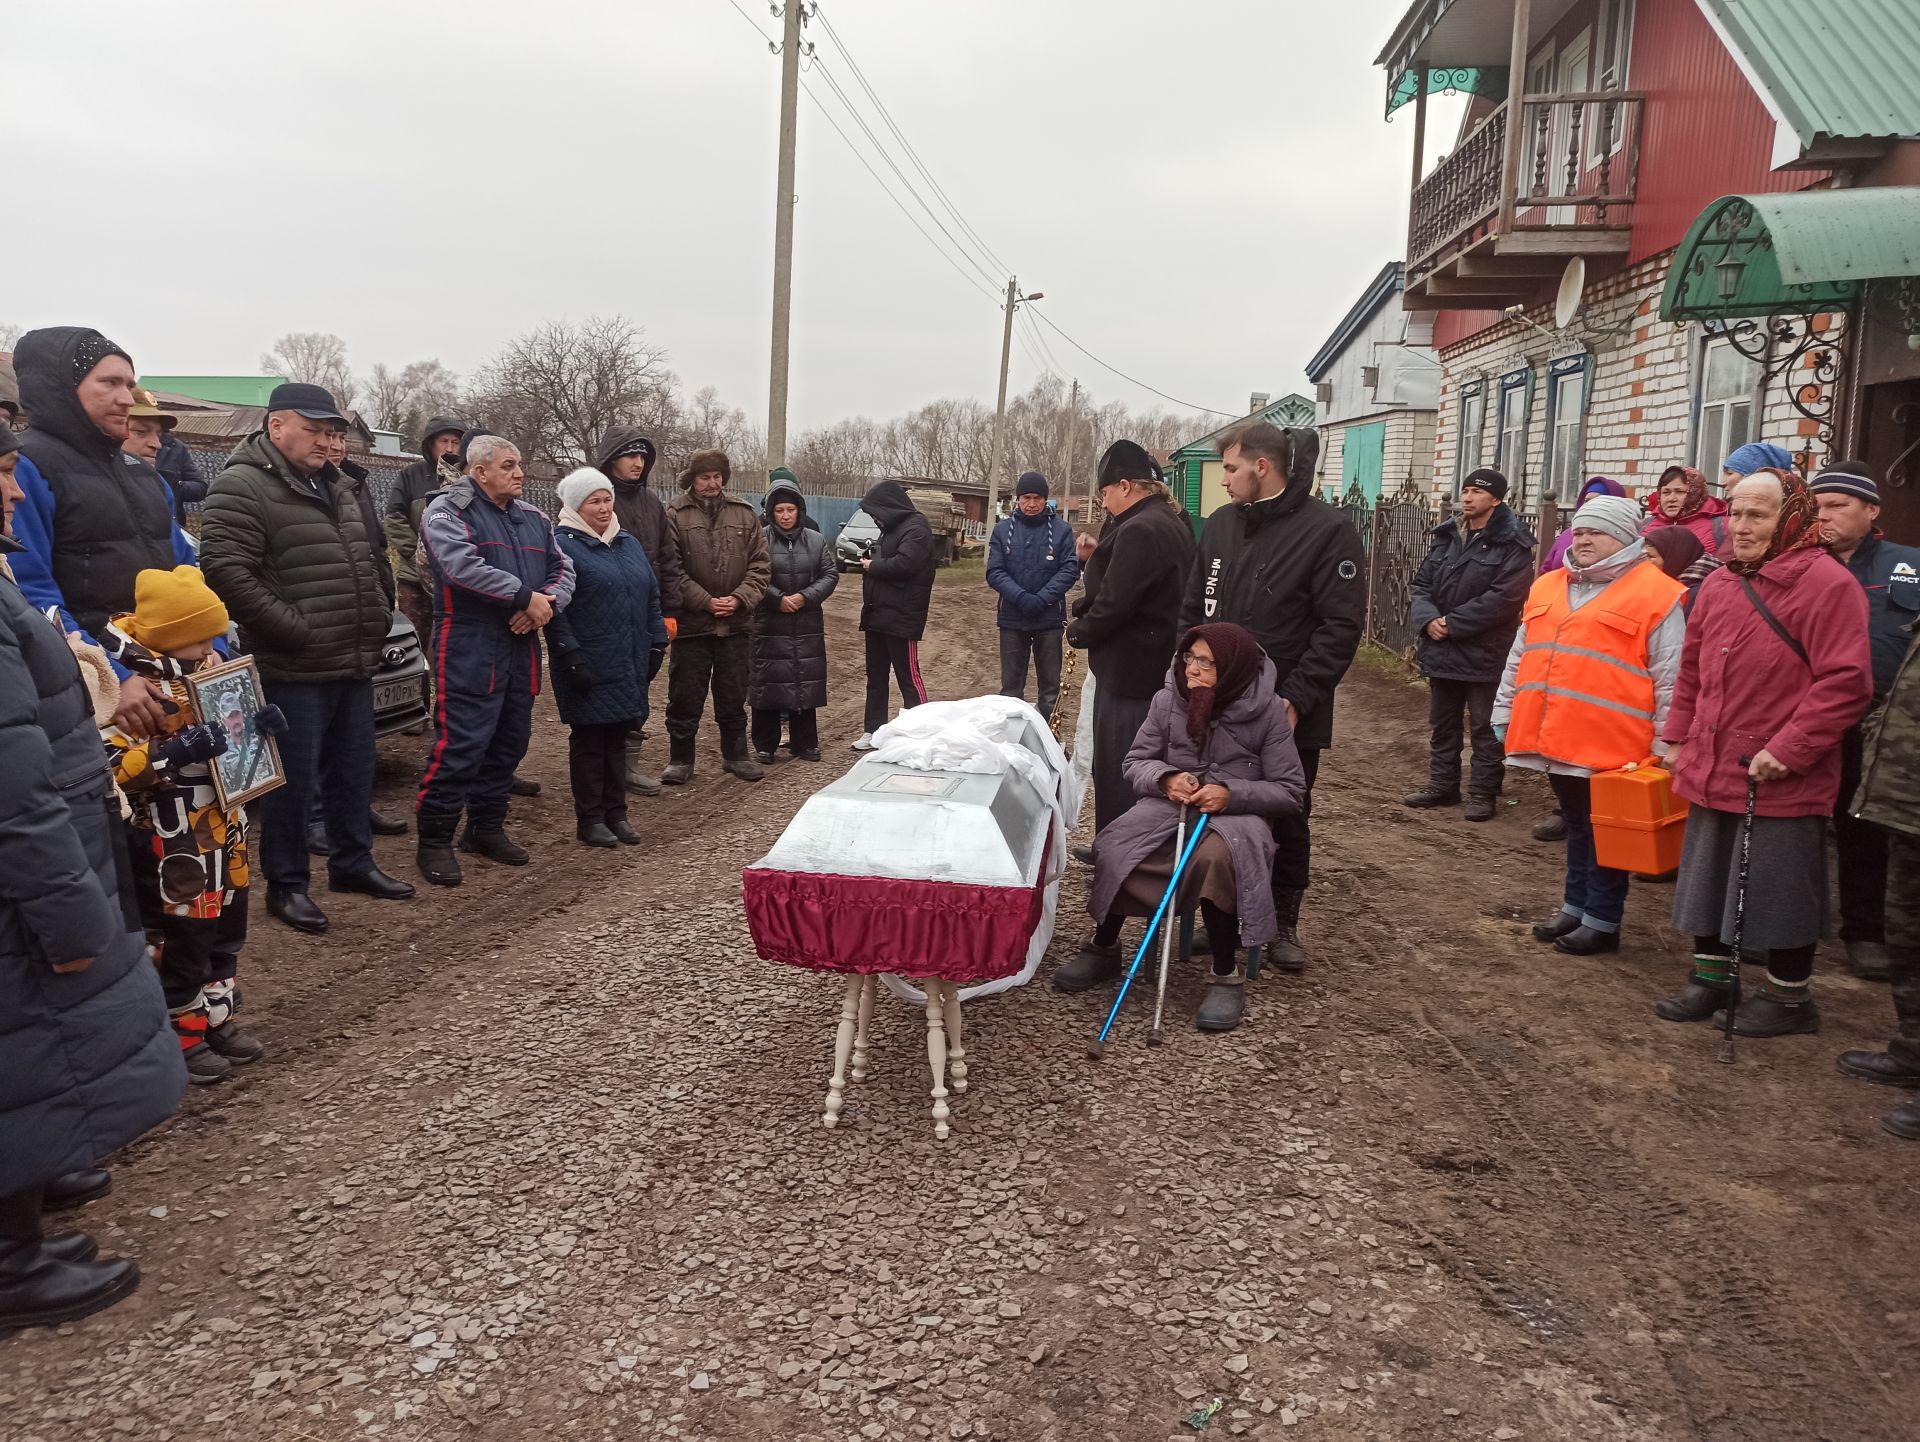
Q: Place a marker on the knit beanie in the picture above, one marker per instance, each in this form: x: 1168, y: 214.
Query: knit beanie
x: 1847, y: 478
x: 1032, y: 483
x: 580, y: 484
x: 1489, y: 480
x: 172, y: 609
x: 1614, y: 516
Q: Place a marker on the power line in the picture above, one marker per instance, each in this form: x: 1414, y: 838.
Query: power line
x: 1131, y: 380
x: 912, y: 154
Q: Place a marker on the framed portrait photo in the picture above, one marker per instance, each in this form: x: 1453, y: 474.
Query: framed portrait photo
x: 228, y: 698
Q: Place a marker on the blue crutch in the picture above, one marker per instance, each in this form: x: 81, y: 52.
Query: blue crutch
x: 1098, y: 1048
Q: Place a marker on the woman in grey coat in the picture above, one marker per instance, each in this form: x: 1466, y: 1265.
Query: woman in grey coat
x: 90, y: 1062
x: 787, y: 666
x: 1216, y: 740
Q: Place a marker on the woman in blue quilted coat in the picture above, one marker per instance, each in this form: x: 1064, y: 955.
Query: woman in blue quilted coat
x: 607, y: 645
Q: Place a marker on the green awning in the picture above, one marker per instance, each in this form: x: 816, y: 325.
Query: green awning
x: 1812, y: 250
x: 1490, y: 81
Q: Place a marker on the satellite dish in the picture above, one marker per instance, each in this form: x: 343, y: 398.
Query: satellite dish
x: 1573, y: 282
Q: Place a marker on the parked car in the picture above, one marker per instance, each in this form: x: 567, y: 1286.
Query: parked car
x: 855, y: 541
x: 400, y: 685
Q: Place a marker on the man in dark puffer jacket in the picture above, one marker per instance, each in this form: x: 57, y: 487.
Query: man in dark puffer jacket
x: 895, y: 595
x: 284, y: 543
x: 90, y: 1062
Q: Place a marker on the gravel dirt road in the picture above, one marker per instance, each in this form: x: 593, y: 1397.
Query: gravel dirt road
x: 540, y: 1158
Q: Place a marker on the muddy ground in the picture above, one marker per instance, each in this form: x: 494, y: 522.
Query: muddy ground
x: 541, y: 1158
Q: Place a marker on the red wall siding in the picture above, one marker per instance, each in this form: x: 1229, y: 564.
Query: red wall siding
x: 1705, y: 133
x: 1452, y: 326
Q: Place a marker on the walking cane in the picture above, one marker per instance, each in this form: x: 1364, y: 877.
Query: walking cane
x: 1739, y: 915
x: 1166, y: 938
x: 1098, y: 1048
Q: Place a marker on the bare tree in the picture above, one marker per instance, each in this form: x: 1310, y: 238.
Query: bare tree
x: 316, y: 358
x: 9, y: 333
x: 405, y: 400
x: 556, y: 389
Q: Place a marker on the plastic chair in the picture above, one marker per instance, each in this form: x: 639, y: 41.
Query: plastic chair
x: 1186, y: 946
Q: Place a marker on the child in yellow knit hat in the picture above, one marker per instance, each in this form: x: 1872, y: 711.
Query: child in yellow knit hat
x: 189, y: 855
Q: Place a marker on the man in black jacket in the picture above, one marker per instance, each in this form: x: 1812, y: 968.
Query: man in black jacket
x: 895, y: 595
x: 1127, y: 618
x: 1467, y: 598
x: 1287, y: 566
x: 414, y: 487
x: 625, y: 456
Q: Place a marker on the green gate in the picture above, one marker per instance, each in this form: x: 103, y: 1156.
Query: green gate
x: 1363, y: 454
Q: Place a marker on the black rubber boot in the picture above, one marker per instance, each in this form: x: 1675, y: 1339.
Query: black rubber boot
x: 1284, y: 952
x: 679, y: 763
x: 1433, y: 796
x: 1555, y: 927
x: 1764, y: 1014
x: 1696, y: 1001
x: 434, y: 855
x: 487, y: 836
x: 42, y: 1287
x: 1093, y: 965
x: 734, y: 755
x: 639, y: 782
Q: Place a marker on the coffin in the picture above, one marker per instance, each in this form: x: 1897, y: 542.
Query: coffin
x: 917, y: 869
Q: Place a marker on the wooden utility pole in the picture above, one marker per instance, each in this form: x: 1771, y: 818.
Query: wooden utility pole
x: 796, y: 13
x: 1000, y: 406
x: 1073, y: 427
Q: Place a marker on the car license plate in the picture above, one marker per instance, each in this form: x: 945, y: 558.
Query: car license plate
x: 392, y: 695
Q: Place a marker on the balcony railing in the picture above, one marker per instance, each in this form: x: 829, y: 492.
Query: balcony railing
x: 1579, y: 158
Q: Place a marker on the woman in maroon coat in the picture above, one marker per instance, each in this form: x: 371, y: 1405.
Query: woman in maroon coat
x: 1776, y: 667
x: 1216, y: 740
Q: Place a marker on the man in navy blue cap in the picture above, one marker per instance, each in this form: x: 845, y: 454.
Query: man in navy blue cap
x: 1849, y: 500
x: 287, y: 547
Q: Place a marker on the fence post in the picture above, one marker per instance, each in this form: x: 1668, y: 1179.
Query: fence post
x: 1373, y: 566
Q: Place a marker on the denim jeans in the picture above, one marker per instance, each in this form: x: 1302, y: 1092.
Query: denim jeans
x: 1596, y: 894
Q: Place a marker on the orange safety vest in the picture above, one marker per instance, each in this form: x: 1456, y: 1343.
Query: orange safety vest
x: 1583, y: 695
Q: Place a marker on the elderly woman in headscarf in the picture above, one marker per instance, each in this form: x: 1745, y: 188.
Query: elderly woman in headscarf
x: 1682, y: 557
x: 1682, y: 500
x: 1775, y: 668
x: 1216, y: 741
x: 607, y: 645
x: 1595, y: 486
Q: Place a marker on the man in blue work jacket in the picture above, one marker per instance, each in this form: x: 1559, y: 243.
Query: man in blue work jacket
x: 1031, y: 563
x: 498, y: 577
x: 1849, y: 500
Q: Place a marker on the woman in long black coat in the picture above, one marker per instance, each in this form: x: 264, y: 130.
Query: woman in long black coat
x: 87, y: 1059
x: 607, y: 645
x: 787, y: 667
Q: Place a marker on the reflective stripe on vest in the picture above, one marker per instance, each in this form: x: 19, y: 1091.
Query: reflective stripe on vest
x: 1583, y: 694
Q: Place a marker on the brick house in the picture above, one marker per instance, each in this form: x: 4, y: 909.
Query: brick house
x: 1680, y: 168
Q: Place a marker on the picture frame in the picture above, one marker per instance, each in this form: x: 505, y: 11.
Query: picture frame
x: 228, y: 698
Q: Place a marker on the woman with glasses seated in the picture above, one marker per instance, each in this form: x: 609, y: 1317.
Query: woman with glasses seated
x: 1216, y: 741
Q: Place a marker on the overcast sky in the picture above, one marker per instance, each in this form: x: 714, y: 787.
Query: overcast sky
x: 1201, y: 189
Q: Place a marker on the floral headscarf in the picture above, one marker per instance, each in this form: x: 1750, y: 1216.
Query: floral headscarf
x: 1691, y: 506
x: 1798, y: 527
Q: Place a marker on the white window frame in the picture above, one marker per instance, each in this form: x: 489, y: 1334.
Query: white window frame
x: 1473, y: 392
x: 1615, y: 30
x: 1521, y: 382
x: 1561, y: 375
x: 1713, y: 335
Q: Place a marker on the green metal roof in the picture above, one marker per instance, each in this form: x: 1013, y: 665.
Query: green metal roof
x: 1843, y: 68
x: 1802, y: 251
x: 223, y: 390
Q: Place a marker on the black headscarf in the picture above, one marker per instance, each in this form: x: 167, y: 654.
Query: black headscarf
x: 1236, y: 666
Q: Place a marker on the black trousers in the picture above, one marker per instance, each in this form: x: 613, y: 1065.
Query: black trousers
x: 1116, y: 721
x: 1861, y: 848
x: 482, y: 739
x: 1293, y: 853
x: 193, y: 950
x: 697, y: 664
x: 328, y: 747
x: 1903, y: 943
x: 1446, y: 701
x: 1045, y: 648
x: 597, y: 771
x: 900, y: 658
x: 803, y: 730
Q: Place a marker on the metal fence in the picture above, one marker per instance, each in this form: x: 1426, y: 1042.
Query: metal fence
x: 1395, y: 532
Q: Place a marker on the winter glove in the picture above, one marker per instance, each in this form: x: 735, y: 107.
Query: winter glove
x: 190, y: 745
x: 656, y: 658
x: 270, y: 721
x: 579, y: 671
x: 1030, y: 605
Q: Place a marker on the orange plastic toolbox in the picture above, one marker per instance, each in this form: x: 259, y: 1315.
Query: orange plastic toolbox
x: 1638, y: 823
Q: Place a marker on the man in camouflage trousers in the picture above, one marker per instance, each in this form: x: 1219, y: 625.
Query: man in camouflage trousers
x: 1889, y: 796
